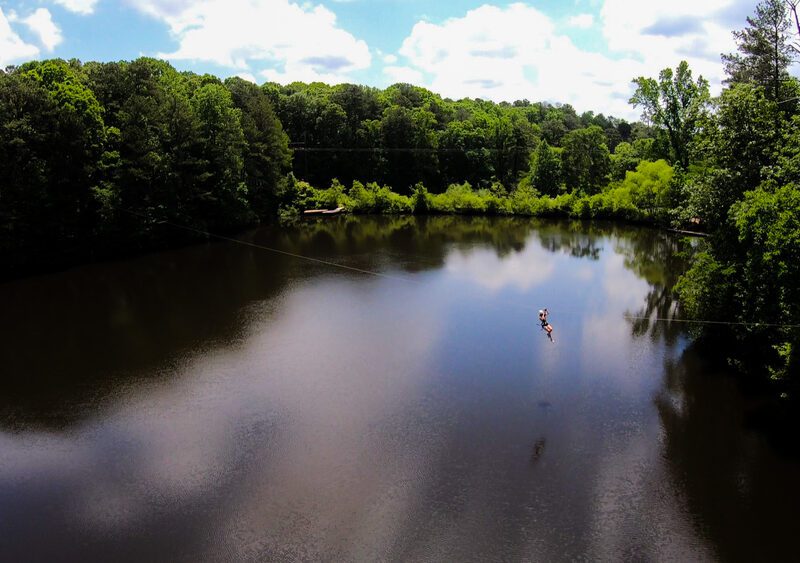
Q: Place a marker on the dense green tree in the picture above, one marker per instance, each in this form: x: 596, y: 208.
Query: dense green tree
x: 26, y: 113
x: 739, y: 143
x: 649, y: 185
x: 63, y: 143
x: 409, y: 143
x: 464, y: 156
x: 224, y: 191
x: 108, y: 155
x: 142, y: 180
x: 675, y: 103
x: 267, y: 158
x: 624, y: 159
x: 754, y: 277
x: 546, y: 176
x: 585, y: 160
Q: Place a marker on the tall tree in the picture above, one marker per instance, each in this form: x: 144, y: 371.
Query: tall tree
x: 675, y: 103
x: 764, y: 49
x: 267, y: 158
x: 223, y: 143
x: 73, y: 137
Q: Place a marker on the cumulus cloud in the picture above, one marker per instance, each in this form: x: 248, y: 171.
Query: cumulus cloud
x: 293, y: 42
x: 12, y: 48
x: 515, y: 52
x: 581, y: 21
x: 662, y: 35
x: 41, y: 23
x: 83, y: 7
x: 403, y: 74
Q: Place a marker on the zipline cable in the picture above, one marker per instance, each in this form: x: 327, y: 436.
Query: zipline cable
x: 275, y: 250
x: 706, y: 322
x: 411, y: 280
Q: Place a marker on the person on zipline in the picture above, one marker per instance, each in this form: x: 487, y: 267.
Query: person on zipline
x: 545, y: 323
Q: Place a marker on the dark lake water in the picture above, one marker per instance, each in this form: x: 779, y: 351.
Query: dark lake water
x: 224, y: 402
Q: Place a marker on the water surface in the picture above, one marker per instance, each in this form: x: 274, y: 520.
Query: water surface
x: 224, y: 402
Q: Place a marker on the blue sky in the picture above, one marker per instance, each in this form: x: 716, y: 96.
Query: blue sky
x: 583, y: 52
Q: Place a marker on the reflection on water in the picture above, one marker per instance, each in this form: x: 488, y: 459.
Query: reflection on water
x: 225, y: 402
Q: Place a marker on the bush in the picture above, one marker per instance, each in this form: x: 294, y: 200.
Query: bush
x: 421, y: 200
x: 459, y: 198
x: 649, y: 185
x: 373, y: 198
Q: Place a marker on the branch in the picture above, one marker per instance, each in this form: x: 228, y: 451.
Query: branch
x: 793, y: 7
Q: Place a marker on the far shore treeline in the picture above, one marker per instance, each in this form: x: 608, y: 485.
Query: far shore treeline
x: 97, y: 159
x: 102, y: 159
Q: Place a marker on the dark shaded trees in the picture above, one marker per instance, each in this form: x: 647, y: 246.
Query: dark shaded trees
x: 266, y: 158
x: 97, y: 158
x: 51, y: 137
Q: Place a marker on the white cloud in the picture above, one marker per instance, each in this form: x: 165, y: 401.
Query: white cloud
x: 664, y: 34
x: 12, y: 48
x: 515, y: 52
x: 41, y: 23
x: 295, y: 42
x: 83, y: 7
x: 403, y: 74
x: 581, y: 21
x: 390, y: 59
x: 247, y: 76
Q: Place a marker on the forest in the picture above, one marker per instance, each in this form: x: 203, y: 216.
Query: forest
x: 102, y: 159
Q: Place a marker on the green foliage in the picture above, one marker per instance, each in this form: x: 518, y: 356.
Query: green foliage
x: 625, y: 158
x: 545, y: 175
x: 649, y: 185
x: 404, y: 135
x: 51, y: 138
x: 461, y: 198
x: 373, y: 198
x: 96, y: 158
x: 266, y: 155
x: 754, y: 278
x: 765, y: 50
x: 585, y: 160
x: 705, y: 290
x: 768, y: 227
x: 421, y: 200
x: 675, y: 104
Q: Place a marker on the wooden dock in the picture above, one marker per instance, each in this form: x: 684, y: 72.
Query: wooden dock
x: 323, y: 211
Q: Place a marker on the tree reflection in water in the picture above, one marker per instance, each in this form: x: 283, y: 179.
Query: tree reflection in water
x: 157, y: 384
x: 659, y: 258
x: 729, y: 474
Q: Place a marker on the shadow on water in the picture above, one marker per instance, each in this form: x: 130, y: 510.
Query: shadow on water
x: 69, y: 339
x: 728, y: 447
x: 743, y: 493
x: 72, y: 337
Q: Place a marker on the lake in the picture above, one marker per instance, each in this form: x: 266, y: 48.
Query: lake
x: 379, y: 390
